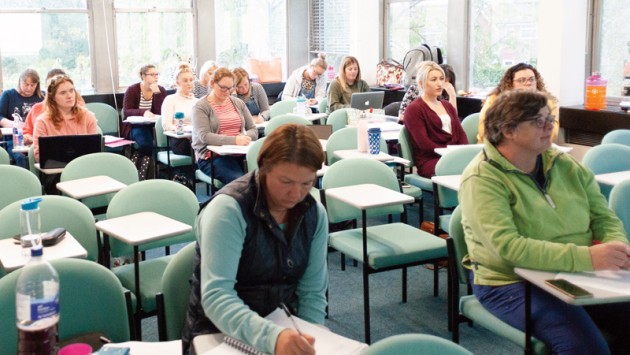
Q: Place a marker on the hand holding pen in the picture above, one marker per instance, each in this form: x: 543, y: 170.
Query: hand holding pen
x: 293, y: 341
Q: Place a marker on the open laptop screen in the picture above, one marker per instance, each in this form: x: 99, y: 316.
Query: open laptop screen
x: 367, y: 100
x: 57, y: 151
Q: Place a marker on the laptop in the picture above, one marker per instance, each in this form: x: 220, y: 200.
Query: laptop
x: 367, y: 100
x: 57, y: 151
x: 321, y: 131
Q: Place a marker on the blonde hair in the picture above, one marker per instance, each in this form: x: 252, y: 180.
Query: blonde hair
x: 241, y: 74
x: 182, y: 68
x: 206, y: 68
x: 423, y: 73
x: 320, y: 61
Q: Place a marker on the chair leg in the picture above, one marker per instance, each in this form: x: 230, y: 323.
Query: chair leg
x: 436, y: 279
x: 404, y: 285
x: 343, y: 262
x: 366, y: 304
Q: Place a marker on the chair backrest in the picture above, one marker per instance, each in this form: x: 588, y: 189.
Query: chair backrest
x: 619, y: 136
x: 345, y: 138
x: 392, y: 109
x: 412, y: 344
x: 251, y: 158
x: 470, y: 124
x: 91, y: 299
x: 283, y: 119
x: 618, y: 202
x: 456, y: 234
x: 281, y: 107
x: 56, y: 211
x: 338, y: 119
x: 17, y: 184
x: 5, y: 159
x: 323, y: 106
x: 406, y: 150
x: 160, y: 138
x: 357, y: 171
x: 453, y: 163
x: 607, y: 158
x: 176, y: 290
x: 164, y: 197
x: 113, y: 165
x: 31, y: 161
x: 106, y: 116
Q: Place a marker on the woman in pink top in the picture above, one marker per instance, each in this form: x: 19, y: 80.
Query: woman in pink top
x: 62, y: 115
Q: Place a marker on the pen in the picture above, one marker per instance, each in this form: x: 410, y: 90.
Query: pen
x: 286, y: 310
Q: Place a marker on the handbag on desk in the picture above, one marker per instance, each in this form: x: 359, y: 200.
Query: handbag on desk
x: 389, y: 72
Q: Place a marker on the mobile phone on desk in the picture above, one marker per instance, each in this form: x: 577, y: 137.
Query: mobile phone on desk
x: 568, y: 288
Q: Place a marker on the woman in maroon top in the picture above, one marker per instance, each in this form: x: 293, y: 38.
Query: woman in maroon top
x: 431, y: 121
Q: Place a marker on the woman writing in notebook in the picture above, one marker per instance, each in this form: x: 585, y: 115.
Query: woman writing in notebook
x: 431, y: 121
x: 347, y: 82
x: 308, y: 81
x: 526, y: 204
x: 220, y: 119
x: 252, y: 94
x: 262, y: 241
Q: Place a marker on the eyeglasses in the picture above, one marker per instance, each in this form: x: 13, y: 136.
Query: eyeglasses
x: 224, y: 88
x: 531, y: 79
x: 542, y: 121
x: 152, y: 74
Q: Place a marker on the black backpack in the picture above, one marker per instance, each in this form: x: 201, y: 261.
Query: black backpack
x: 417, y: 55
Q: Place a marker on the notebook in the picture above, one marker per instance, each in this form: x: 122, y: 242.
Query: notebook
x: 326, y: 342
x: 367, y: 100
x: 57, y: 151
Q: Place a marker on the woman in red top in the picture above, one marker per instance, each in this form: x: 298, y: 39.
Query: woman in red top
x: 431, y: 121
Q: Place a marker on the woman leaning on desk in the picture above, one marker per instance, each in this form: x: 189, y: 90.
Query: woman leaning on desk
x: 143, y: 99
x: 347, y: 82
x: 252, y: 94
x: 262, y: 240
x: 431, y: 121
x: 308, y: 81
x: 525, y: 204
x: 220, y: 119
x: 524, y: 77
x: 181, y: 101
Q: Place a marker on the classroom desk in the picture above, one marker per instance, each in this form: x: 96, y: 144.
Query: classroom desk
x: 173, y: 347
x: 6, y: 131
x: 12, y: 258
x: 537, y: 278
x: 612, y: 179
x: 48, y: 171
x: 354, y: 153
x: 90, y: 186
x: 449, y: 181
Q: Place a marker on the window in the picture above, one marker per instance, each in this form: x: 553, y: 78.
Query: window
x: 411, y: 23
x: 251, y: 30
x: 614, y: 43
x: 43, y: 35
x: 329, y: 29
x: 503, y: 33
x: 161, y: 34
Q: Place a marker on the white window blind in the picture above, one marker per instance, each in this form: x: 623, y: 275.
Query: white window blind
x: 329, y: 27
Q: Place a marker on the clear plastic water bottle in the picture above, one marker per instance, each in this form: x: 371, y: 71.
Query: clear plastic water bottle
x: 37, y: 306
x: 179, y: 122
x: 18, y: 126
x: 300, y: 107
x: 30, y: 225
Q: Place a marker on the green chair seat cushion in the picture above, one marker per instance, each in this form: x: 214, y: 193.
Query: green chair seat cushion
x: 419, y: 181
x: 201, y: 176
x: 176, y: 159
x: 151, y: 272
x: 472, y: 309
x: 413, y: 191
x: 389, y: 245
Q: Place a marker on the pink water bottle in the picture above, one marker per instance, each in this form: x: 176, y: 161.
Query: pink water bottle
x: 331, y: 73
x: 595, y: 92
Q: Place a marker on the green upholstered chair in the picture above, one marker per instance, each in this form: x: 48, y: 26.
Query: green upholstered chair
x: 452, y: 163
x: 106, y: 116
x: 470, y: 124
x: 607, y: 158
x: 283, y: 119
x: 281, y: 107
x: 91, y: 300
x: 172, y: 302
x: 164, y: 155
x: 344, y: 138
x: 5, y: 159
x: 113, y: 165
x: 380, y: 247
x: 412, y: 344
x: 31, y: 161
x: 418, y: 183
x: 618, y: 202
x: 467, y: 307
x: 323, y: 108
x: 209, y: 181
x: 18, y: 184
x: 338, y: 119
x: 251, y: 158
x: 166, y: 198
x: 56, y: 211
x: 619, y: 136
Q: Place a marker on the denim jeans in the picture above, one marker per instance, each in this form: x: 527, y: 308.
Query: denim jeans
x: 143, y: 135
x: 226, y: 168
x: 566, y: 329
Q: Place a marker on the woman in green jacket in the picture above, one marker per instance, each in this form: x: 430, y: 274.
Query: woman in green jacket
x: 525, y: 204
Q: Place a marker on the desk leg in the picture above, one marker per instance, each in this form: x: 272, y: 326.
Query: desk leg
x: 106, y: 252
x: 366, y: 281
x: 136, y: 271
x: 528, y: 318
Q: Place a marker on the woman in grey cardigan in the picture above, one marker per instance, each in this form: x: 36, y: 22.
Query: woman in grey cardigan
x: 308, y: 81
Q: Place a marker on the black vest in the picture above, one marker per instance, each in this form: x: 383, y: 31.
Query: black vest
x: 272, y: 260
